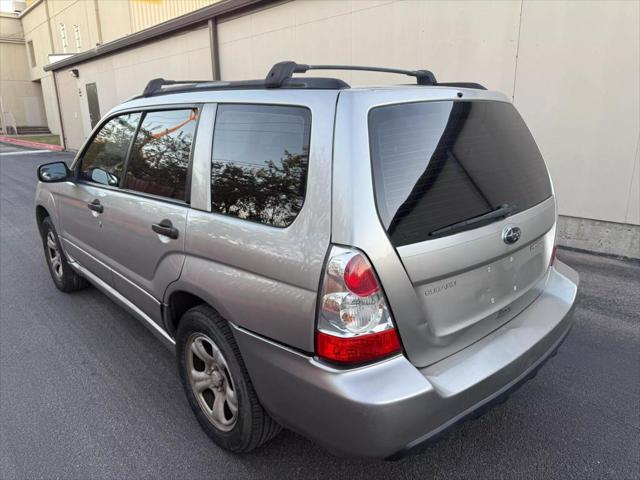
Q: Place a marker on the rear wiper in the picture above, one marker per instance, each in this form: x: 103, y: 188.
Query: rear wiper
x: 503, y: 211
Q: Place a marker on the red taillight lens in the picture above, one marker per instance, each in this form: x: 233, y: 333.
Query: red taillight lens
x: 359, y: 277
x: 373, y: 346
x: 553, y: 255
x: 354, y: 320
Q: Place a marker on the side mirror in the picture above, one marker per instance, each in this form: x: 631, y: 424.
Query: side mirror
x: 100, y: 176
x: 53, y: 172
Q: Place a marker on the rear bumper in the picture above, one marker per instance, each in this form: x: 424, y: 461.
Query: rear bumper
x: 391, y: 408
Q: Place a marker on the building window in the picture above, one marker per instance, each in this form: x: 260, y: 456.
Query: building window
x: 63, y: 36
x: 32, y: 53
x: 76, y: 31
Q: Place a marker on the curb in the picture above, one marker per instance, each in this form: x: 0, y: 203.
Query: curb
x: 27, y: 143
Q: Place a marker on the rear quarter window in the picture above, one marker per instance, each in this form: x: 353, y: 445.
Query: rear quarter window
x: 439, y: 163
x: 260, y: 162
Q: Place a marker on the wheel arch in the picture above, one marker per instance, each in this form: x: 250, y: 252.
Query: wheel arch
x: 179, y: 298
x: 41, y: 214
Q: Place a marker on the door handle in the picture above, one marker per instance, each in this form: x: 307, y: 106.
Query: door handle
x: 96, y: 206
x: 166, y: 228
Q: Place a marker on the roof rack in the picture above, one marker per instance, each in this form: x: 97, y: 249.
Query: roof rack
x: 283, y: 71
x: 281, y: 76
x: 156, y: 85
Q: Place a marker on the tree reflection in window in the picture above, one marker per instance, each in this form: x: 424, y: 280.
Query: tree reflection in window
x: 160, y: 157
x: 260, y: 162
x: 103, y: 160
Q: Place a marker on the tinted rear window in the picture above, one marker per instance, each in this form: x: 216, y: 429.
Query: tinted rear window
x: 439, y: 163
x: 260, y: 161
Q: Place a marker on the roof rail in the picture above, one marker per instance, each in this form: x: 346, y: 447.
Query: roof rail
x: 156, y: 85
x: 283, y: 71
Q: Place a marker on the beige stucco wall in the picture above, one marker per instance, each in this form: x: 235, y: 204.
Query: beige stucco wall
x: 99, y: 21
x: 108, y: 10
x: 572, y: 69
x: 36, y: 30
x: 125, y: 74
x: 18, y: 94
x: 145, y: 13
x: 578, y: 87
x: 70, y: 13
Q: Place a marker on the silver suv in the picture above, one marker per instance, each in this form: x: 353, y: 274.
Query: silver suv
x: 365, y: 266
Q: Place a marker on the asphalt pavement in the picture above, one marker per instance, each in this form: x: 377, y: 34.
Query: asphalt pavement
x: 87, y: 392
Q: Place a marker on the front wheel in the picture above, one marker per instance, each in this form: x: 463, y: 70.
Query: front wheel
x: 217, y: 384
x: 64, y: 277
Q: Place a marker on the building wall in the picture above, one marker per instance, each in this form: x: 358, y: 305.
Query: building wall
x: 578, y: 87
x: 110, y: 9
x: 70, y: 14
x: 36, y: 30
x: 123, y: 75
x: 18, y: 94
x: 572, y: 69
x: 36, y: 26
x: 98, y: 22
x: 145, y: 13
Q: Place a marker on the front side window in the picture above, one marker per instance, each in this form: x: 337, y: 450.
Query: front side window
x: 103, y: 160
x: 260, y: 162
x: 160, y: 156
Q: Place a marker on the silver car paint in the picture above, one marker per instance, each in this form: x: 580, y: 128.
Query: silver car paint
x: 235, y: 265
x: 381, y: 409
x: 228, y: 261
x: 79, y: 228
x: 143, y: 262
x: 481, y: 297
x: 264, y: 280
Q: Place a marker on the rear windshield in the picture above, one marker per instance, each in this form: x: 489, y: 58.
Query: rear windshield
x: 439, y: 164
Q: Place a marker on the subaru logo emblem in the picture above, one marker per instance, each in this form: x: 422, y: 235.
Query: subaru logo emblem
x: 511, y: 235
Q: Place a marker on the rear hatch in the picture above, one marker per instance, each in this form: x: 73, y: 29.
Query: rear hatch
x: 465, y: 198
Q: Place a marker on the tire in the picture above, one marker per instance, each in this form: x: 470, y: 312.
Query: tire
x: 63, y: 276
x: 223, y: 377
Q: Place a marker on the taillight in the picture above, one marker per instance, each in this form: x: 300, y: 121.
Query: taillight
x: 553, y: 254
x: 354, y: 321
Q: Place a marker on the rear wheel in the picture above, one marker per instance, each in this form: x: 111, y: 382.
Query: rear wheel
x: 64, y: 277
x: 217, y: 384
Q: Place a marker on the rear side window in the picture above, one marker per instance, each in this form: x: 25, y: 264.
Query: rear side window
x: 260, y: 161
x: 103, y: 160
x: 160, y: 156
x: 437, y: 164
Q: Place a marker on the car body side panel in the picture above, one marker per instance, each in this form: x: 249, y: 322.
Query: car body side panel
x: 143, y: 261
x: 261, y: 277
x: 264, y: 305
x: 79, y: 228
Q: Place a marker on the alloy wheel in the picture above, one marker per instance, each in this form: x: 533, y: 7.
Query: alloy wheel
x: 211, y: 381
x: 54, y: 256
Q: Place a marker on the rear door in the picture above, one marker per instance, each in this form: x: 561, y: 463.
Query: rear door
x: 465, y: 202
x: 144, y: 222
